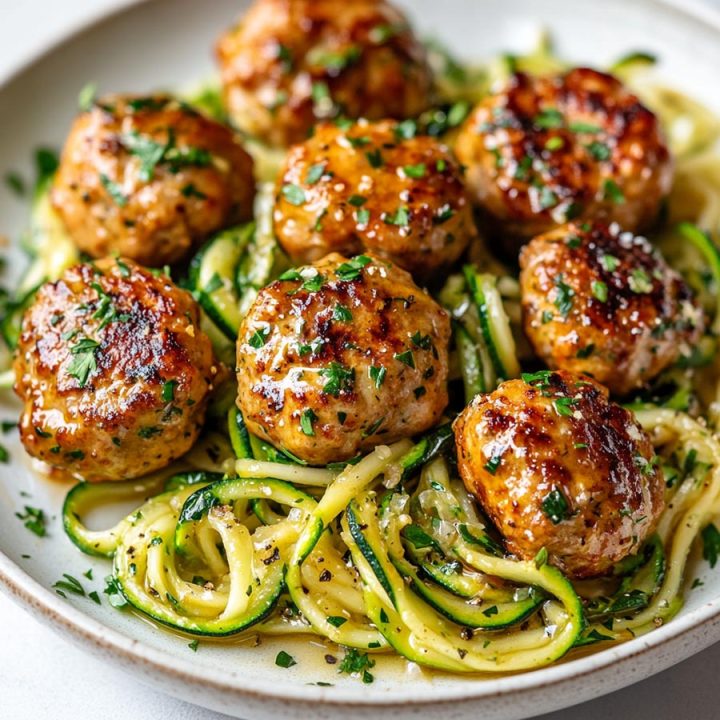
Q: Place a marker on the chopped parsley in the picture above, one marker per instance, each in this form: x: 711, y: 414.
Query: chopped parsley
x: 375, y: 158
x: 357, y: 200
x: 314, y: 173
x: 711, y: 544
x: 600, y: 290
x: 493, y: 464
x: 582, y: 127
x: 306, y: 422
x: 401, y: 217
x: 612, y: 192
x: 564, y: 406
x: 34, y: 520
x: 598, y: 150
x: 564, y: 296
x: 320, y: 92
x: 113, y: 190
x: 334, y: 60
x: 83, y: 362
x: 548, y: 119
x: 368, y: 432
x: 259, y: 337
x: 357, y: 663
x: 362, y: 216
x: 151, y: 153
x: 547, y: 198
x: 15, y: 183
x: 114, y: 592
x: 338, y: 379
x: 640, y: 282
x: 294, y: 194
x: 168, y: 391
x: 194, y: 645
x: 336, y: 620
x: 555, y: 506
x: 585, y: 352
x: 352, y: 269
x: 377, y: 374
x: 415, y: 171
x: 609, y: 263
x: 284, y: 660
x: 342, y: 313
x: 190, y: 191
x: 406, y: 358
x: 406, y: 130
x: 69, y: 584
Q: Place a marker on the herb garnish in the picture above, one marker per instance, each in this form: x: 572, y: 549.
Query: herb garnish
x: 711, y: 544
x: 564, y: 296
x: 401, y: 217
x: 377, y: 374
x: 306, y: 422
x: 34, y: 520
x: 113, y: 190
x: 294, y: 194
x: 352, y: 269
x: 555, y: 506
x: 284, y: 660
x: 83, y: 363
x: 338, y: 378
x: 356, y: 662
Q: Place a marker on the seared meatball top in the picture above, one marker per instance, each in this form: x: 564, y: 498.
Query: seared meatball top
x: 602, y: 301
x: 113, y: 370
x: 555, y: 465
x: 340, y: 356
x: 149, y: 178
x: 289, y: 63
x: 545, y: 150
x: 375, y: 187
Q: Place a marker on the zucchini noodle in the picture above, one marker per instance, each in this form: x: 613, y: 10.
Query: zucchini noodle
x: 389, y: 553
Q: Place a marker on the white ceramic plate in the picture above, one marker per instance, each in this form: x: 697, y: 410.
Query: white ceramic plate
x: 166, y: 43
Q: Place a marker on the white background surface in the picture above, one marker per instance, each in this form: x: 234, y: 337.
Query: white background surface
x: 44, y: 678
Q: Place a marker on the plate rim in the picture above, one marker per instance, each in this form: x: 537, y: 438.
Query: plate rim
x: 96, y: 636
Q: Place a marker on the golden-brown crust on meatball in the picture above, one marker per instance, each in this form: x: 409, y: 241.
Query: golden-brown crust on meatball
x: 340, y: 356
x: 365, y: 187
x: 604, y: 302
x: 149, y: 178
x: 545, y: 150
x: 289, y: 63
x: 113, y: 370
x: 555, y: 465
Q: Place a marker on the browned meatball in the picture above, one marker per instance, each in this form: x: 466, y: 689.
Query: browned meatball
x: 545, y: 150
x: 555, y: 465
x: 113, y: 370
x: 601, y: 301
x: 289, y: 63
x: 149, y: 178
x: 340, y: 356
x: 366, y: 187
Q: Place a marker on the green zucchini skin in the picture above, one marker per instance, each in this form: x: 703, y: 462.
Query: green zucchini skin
x: 636, y: 588
x: 212, y: 276
x: 439, y: 442
x: 84, y: 496
x: 414, y: 630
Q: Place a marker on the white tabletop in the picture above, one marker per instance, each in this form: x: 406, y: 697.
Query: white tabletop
x: 43, y: 677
